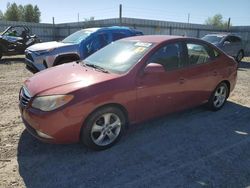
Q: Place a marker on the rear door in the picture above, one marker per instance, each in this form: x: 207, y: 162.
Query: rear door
x: 202, y: 74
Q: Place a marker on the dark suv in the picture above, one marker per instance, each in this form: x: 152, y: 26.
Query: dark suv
x: 229, y: 43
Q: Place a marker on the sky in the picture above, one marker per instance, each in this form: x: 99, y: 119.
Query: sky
x: 167, y: 10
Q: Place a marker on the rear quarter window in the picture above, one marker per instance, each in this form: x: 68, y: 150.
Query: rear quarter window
x: 198, y: 53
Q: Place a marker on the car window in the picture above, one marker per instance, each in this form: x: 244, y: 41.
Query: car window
x: 212, y: 38
x: 228, y: 39
x: 97, y: 43
x: 78, y: 36
x: 197, y: 53
x: 103, y: 39
x: 118, y: 35
x: 16, y: 32
x: 120, y: 56
x: 170, y: 56
x: 235, y: 39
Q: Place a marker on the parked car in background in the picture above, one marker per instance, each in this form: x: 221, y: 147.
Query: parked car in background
x: 229, y: 43
x: 128, y: 81
x: 15, y: 39
x: 76, y: 46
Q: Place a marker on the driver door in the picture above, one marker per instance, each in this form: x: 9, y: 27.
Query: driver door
x: 163, y: 92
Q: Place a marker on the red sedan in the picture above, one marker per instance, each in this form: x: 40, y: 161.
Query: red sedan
x: 128, y: 81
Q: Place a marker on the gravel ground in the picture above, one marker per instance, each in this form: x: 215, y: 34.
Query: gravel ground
x: 194, y: 148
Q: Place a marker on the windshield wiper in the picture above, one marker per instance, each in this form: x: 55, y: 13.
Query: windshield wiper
x: 95, y: 67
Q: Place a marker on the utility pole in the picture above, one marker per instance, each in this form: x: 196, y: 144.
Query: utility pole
x: 228, y: 24
x: 54, y: 28
x: 120, y: 14
x: 78, y: 20
x: 188, y: 17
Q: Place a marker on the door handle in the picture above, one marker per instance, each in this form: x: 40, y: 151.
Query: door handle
x: 181, y: 80
x: 215, y: 73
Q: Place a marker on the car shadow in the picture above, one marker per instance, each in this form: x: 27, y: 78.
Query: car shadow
x: 193, y: 148
x: 12, y: 60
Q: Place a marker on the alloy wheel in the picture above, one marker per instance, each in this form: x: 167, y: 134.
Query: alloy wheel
x: 106, y: 129
x: 220, y: 96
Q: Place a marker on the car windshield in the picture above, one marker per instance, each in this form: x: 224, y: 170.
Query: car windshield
x: 77, y: 36
x: 120, y: 56
x: 212, y: 38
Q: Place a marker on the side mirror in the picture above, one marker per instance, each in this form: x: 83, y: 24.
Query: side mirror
x: 154, y: 68
x: 226, y: 43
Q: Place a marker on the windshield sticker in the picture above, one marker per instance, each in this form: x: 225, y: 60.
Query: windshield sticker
x: 143, y: 44
x: 139, y: 50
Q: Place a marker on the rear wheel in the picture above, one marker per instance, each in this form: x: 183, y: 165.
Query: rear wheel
x: 103, y: 128
x: 218, y: 97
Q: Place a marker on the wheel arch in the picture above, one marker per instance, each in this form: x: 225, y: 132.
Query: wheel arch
x: 228, y: 85
x: 116, y: 105
x: 59, y: 58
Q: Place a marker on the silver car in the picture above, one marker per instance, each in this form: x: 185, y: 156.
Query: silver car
x: 76, y: 46
x: 229, y: 43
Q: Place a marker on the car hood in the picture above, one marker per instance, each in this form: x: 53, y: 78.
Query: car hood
x: 47, y: 45
x: 10, y: 38
x: 65, y: 79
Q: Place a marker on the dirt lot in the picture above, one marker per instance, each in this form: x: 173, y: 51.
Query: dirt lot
x: 195, y: 148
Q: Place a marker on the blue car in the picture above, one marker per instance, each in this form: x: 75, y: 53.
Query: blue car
x: 76, y: 46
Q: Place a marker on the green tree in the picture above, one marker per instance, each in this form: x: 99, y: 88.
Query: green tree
x: 37, y: 14
x: 12, y: 12
x: 217, y: 21
x: 27, y: 13
x: 21, y: 12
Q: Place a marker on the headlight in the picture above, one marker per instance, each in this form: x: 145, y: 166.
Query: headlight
x: 49, y: 103
x: 42, y: 52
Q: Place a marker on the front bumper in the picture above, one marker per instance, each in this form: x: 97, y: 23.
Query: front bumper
x: 31, y: 67
x: 59, y: 125
x: 34, y: 64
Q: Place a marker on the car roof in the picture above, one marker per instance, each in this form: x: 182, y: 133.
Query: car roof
x: 94, y: 29
x: 155, y: 38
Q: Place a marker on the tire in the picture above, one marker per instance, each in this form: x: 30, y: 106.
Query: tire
x: 218, y: 97
x: 239, y: 56
x: 103, y: 128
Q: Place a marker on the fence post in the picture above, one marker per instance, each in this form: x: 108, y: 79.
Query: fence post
x: 198, y: 33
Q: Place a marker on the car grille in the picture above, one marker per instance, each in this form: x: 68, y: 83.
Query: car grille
x: 24, y: 97
x: 29, y: 57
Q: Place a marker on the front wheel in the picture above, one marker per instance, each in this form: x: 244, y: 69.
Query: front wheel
x: 218, y: 97
x: 103, y: 128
